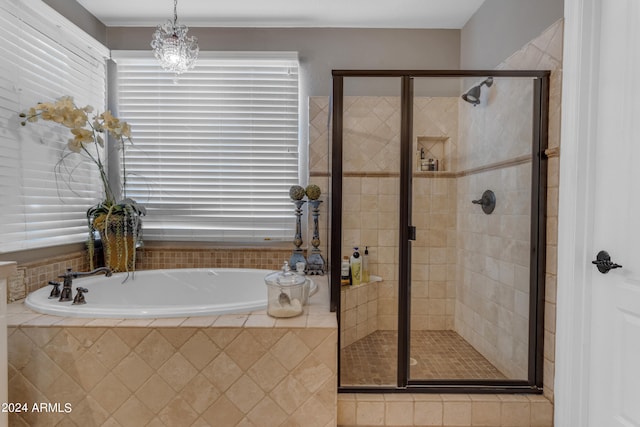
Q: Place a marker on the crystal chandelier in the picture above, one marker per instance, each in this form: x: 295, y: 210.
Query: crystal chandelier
x: 175, y: 51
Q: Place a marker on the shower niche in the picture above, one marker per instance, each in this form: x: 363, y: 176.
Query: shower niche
x: 457, y: 305
x: 433, y: 153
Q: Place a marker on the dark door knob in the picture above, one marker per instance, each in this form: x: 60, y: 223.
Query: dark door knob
x: 604, y: 263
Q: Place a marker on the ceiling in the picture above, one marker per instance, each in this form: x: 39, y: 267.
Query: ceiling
x: 287, y: 13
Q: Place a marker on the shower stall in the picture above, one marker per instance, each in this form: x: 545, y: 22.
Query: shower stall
x: 441, y: 175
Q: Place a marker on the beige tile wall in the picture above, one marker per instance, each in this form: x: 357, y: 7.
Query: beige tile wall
x: 433, y: 262
x: 434, y: 410
x: 160, y: 258
x: 175, y: 376
x: 493, y: 250
x: 370, y: 200
x: 544, y: 53
x: 34, y: 275
x: 358, y: 311
x: 492, y: 308
x: 433, y: 274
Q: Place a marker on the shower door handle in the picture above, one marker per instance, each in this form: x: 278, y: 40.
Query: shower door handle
x: 604, y: 263
x: 412, y: 232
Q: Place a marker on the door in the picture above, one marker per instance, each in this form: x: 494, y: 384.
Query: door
x: 615, y: 331
x: 598, y: 315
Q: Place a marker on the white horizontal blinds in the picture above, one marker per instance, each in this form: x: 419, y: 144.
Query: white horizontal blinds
x: 41, y: 206
x: 214, y: 154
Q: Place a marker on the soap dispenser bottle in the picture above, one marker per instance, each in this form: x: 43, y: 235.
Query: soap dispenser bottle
x: 365, y: 266
x: 356, y: 268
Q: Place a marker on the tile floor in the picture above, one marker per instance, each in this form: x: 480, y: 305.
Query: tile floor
x: 437, y: 355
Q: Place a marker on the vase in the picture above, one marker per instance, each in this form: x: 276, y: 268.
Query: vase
x: 118, y: 234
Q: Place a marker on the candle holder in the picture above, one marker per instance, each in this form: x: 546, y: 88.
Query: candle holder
x: 297, y: 255
x: 315, y: 263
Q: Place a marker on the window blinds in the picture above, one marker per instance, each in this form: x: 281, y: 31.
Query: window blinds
x: 44, y: 57
x: 215, y: 153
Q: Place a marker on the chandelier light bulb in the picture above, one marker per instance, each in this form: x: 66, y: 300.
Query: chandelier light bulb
x: 171, y: 46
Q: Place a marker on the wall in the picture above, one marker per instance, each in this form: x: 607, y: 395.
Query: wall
x: 322, y: 49
x: 370, y: 208
x: 77, y: 14
x: 494, y: 250
x: 433, y: 275
x: 501, y: 27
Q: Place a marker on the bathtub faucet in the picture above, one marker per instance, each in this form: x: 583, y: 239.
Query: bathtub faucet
x: 106, y: 270
x: 66, y: 293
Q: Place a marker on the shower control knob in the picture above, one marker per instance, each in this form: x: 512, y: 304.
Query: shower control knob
x: 604, y: 263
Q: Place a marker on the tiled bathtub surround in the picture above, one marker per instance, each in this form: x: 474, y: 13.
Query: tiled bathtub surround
x: 34, y: 275
x: 228, y: 370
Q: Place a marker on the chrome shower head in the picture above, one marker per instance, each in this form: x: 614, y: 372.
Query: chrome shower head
x: 472, y: 96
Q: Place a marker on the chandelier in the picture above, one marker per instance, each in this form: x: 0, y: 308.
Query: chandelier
x: 175, y: 51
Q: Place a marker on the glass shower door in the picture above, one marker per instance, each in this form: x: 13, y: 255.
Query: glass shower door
x: 370, y: 222
x: 470, y: 272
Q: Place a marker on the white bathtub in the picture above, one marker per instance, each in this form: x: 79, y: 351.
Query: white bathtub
x: 163, y: 293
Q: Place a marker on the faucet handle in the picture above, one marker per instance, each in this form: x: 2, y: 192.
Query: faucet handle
x: 55, y: 292
x: 68, y: 277
x: 79, y: 298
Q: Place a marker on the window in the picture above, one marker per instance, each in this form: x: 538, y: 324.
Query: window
x: 44, y: 57
x: 215, y: 152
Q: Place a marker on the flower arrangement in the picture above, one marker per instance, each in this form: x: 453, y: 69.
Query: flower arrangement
x: 117, y: 220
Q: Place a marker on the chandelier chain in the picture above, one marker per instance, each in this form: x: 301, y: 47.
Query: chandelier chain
x: 175, y: 12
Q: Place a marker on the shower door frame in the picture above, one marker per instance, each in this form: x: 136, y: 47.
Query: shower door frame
x: 533, y: 383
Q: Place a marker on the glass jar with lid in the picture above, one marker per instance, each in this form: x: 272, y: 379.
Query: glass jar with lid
x: 285, y: 292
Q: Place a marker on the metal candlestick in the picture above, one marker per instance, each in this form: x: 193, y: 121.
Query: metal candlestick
x: 315, y: 264
x: 297, y: 255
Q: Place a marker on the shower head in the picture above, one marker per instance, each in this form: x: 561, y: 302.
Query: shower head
x: 473, y: 95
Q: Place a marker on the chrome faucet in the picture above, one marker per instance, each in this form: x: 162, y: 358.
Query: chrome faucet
x: 66, y: 293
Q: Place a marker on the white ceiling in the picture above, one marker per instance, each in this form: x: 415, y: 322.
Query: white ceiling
x: 287, y: 13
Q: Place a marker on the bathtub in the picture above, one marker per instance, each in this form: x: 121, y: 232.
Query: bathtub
x: 163, y: 293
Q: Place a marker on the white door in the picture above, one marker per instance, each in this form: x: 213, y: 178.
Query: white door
x: 599, y: 314
x: 615, y: 345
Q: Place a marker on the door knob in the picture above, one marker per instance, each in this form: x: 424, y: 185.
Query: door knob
x: 604, y: 263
